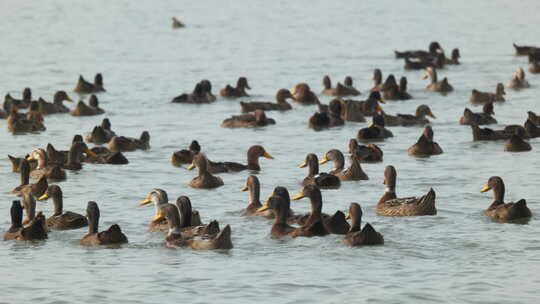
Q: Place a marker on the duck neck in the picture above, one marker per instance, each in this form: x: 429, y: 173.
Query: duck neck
x: 281, y: 216
x: 316, y: 206
x: 339, y: 162
x: 25, y: 175
x: 355, y: 165
x: 253, y: 162
x: 58, y: 204
x: 29, y: 206
x: 16, y: 217
x: 434, y: 77
x: 254, y: 196
x: 498, y: 194
x: 74, y: 155
x: 185, y: 216
x: 313, y: 168
x: 355, y: 223
x: 93, y: 222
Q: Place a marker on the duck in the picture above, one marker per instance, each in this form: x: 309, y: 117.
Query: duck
x: 327, y: 84
x: 185, y: 156
x: 175, y: 239
x: 254, y: 187
x: 351, y: 110
x: 377, y: 80
x: 88, y: 110
x: 85, y: 87
x: 303, y: 95
x: 253, y: 154
x: 52, y: 172
x: 340, y: 89
x: 316, y: 225
x: 437, y: 86
x: 24, y: 169
x: 354, y: 172
x: 60, y: 157
x: 454, y: 57
x: 33, y: 231
x: 370, y: 153
x: 29, y: 205
x: 280, y: 207
x: 375, y: 130
x: 332, y: 118
x: 204, y: 180
x: 160, y: 198
x: 62, y: 220
x: 106, y: 156
x: 397, y: 92
x: 433, y: 48
x: 483, y: 118
x: 371, y: 106
x: 176, y: 23
x: 518, y: 82
x: 516, y: 142
x: 425, y: 146
x: 111, y: 236
x: 419, y: 118
x: 238, y: 91
x: 501, y: 211
x: 75, y: 156
x: 202, y: 93
x: 525, y: 50
x: 257, y: 119
x: 127, y: 144
x: 535, y: 119
x: 358, y: 236
x: 390, y: 205
x: 323, y: 180
x: 437, y: 60
x: 101, y: 134
x: 34, y: 114
x: 10, y: 102
x: 282, y: 105
x: 56, y: 106
x: 531, y: 129
x: 485, y: 97
x: 17, y: 124
x: 348, y: 87
x: 490, y: 134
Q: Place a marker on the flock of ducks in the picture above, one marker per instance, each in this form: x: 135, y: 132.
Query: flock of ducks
x: 182, y: 223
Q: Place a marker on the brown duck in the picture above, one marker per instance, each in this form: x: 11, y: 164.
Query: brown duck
x: 111, y: 236
x: 204, y: 180
x: 62, y: 220
x: 282, y: 105
x: 425, y: 146
x: 101, y: 134
x: 56, y: 106
x: 202, y: 93
x: 358, y: 236
x: 483, y: 118
x: 185, y: 156
x: 85, y: 87
x: 52, y: 172
x: 518, y: 81
x: 516, y: 142
x: 354, y: 172
x: 485, y: 97
x: 32, y: 231
x: 390, y: 205
x: 257, y: 119
x: 375, y: 130
x: 501, y: 211
x: 370, y: 153
x: 176, y: 23
x: 254, y: 187
x: 419, y: 118
x: 10, y: 102
x: 324, y: 120
x: 19, y: 124
x: 441, y: 86
x: 126, y: 144
x: 302, y: 94
x: 91, y: 109
x: 322, y: 180
x: 238, y: 91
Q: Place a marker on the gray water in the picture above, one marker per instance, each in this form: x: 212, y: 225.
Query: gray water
x: 458, y: 256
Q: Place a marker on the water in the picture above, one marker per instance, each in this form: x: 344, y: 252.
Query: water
x: 458, y: 256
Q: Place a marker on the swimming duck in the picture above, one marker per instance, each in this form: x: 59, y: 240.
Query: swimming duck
x: 85, y: 87
x: 501, y: 211
x: 340, y: 89
x: 485, y: 97
x: 390, y: 205
x: 332, y: 118
x: 516, y: 142
x: 419, y: 118
x: 253, y: 154
x: 56, y: 106
x: 281, y: 105
x: 316, y: 225
x: 361, y: 237
x: 375, y: 130
x: 280, y: 207
x: 370, y: 153
x: 176, y: 23
x: 302, y: 94
x: 351, y: 110
x: 106, y: 156
x: 454, y: 57
x: 425, y: 146
x: 101, y: 134
x: 24, y: 169
x: 62, y: 220
x: 184, y: 156
x: 127, y: 144
x: 327, y: 84
x: 52, y: 172
x: 490, y: 134
x: 518, y: 82
x: 377, y: 80
x: 88, y: 110
x: 535, y: 119
x: 397, y: 92
x: 437, y: 60
x: 348, y: 88
x: 175, y: 239
x: 371, y: 106
x: 160, y: 198
x: 238, y: 91
x: 437, y: 86
x: 75, y: 154
x: 323, y: 180
x: 60, y: 157
x: 484, y: 118
x: 525, y: 50
x: 202, y: 93
x: 531, y: 129
x: 433, y: 48
x: 34, y: 114
x: 204, y: 180
x: 111, y: 236
x: 254, y: 187
x: 257, y: 119
x: 23, y: 103
x: 18, y: 124
x: 33, y: 231
x: 354, y: 172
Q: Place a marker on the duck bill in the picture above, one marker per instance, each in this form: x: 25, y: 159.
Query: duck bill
x: 324, y: 160
x: 69, y: 99
x: 191, y: 167
x: 371, y: 124
x: 348, y: 217
x: 299, y: 196
x: 90, y: 153
x: 245, y: 188
x: 432, y: 115
x: 267, y: 155
x: 145, y: 202
x: 43, y: 197
x: 30, y: 158
x: 263, y: 208
x: 293, y: 91
x: 159, y: 217
x: 303, y: 165
x: 485, y: 188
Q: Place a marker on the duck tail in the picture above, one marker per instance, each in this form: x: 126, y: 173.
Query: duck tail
x: 211, y: 228
x: 428, y: 202
x: 223, y: 239
x: 521, y: 203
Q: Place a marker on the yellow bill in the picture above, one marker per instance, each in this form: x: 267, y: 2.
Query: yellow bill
x: 145, y: 202
x: 299, y: 196
x: 245, y: 188
x: 90, y: 153
x: 266, y: 155
x: 324, y: 160
x: 485, y: 188
x: 263, y: 208
x: 44, y: 196
x: 191, y: 167
x: 303, y: 165
x: 348, y: 217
